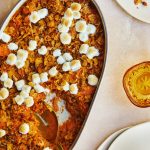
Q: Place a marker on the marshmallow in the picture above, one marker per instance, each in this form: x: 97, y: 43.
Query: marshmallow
x: 4, y: 93
x: 8, y: 83
x: 65, y: 38
x: 32, y: 45
x: 92, y: 80
x: 19, y: 84
x: 4, y: 76
x: 53, y: 71
x: 11, y: 59
x: 43, y: 50
x: 75, y: 65
x: 57, y: 53
x: 24, y: 128
x: 73, y: 89
x: 29, y: 102
x: 34, y: 17
x: 19, y: 100
x: 12, y: 46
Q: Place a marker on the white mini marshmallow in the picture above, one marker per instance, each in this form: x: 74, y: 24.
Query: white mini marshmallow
x: 24, y: 128
x: 84, y: 37
x: 81, y: 26
x: 66, y: 87
x: 4, y: 93
x: 84, y: 49
x: 75, y: 65
x: 57, y: 53
x: 4, y: 76
x: 44, y: 77
x: 76, y: 15
x: 12, y: 46
x: 73, y: 89
x: 69, y: 13
x: 20, y: 64
x: 22, y: 54
x: 36, y: 78
x: 92, y: 80
x: 19, y: 100
x: 34, y: 17
x: 11, y: 59
x: 8, y: 83
x: 62, y: 28
x: 38, y: 88
x: 5, y: 37
x: 65, y: 38
x: 76, y: 7
x: 53, y: 71
x: 42, y: 13
x: 29, y: 102
x: 43, y: 50
x: 92, y: 52
x: 32, y: 45
x: 19, y: 84
x: 2, y: 133
x: 66, y: 67
x: 66, y: 22
x: 61, y: 60
x: 91, y: 29
x: 67, y: 56
x: 24, y: 94
x: 26, y: 88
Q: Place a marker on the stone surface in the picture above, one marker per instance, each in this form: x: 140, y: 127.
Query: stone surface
x: 129, y: 44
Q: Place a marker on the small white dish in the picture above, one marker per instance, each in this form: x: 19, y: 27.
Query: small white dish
x: 135, y: 138
x: 106, y: 144
x: 138, y: 11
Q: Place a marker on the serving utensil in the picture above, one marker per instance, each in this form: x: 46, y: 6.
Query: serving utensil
x: 48, y: 124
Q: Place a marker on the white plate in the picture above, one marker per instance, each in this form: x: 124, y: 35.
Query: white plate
x: 135, y: 138
x: 105, y: 145
x: 138, y: 11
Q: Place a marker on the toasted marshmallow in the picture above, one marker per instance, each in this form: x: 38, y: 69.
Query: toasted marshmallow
x: 76, y: 15
x: 4, y: 76
x: 73, y: 89
x: 11, y: 59
x: 36, y: 78
x: 2, y: 133
x: 62, y: 28
x: 19, y: 100
x: 92, y: 80
x: 66, y: 22
x: 92, y: 52
x: 19, y: 84
x: 53, y: 71
x: 12, y: 46
x: 5, y: 37
x: 8, y: 83
x: 83, y: 37
x: 29, y: 102
x: 81, y: 26
x: 24, y: 94
x: 66, y: 86
x: 76, y: 7
x: 24, y: 128
x: 47, y: 148
x: 67, y: 56
x: 91, y: 29
x: 65, y: 38
x: 66, y: 67
x: 22, y: 55
x: 43, y: 50
x: 38, y: 88
x: 20, y: 64
x: 75, y: 65
x: 69, y: 13
x: 44, y: 77
x: 57, y: 53
x: 26, y: 88
x: 61, y: 60
x: 84, y: 49
x: 32, y: 45
x: 42, y: 13
x: 34, y: 17
x: 4, y: 93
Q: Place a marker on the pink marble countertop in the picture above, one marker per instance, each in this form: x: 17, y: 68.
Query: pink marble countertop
x: 129, y: 44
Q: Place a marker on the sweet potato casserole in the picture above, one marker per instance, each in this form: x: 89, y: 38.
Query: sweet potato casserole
x: 51, y: 51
